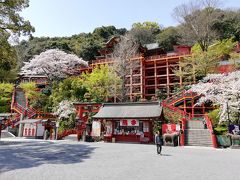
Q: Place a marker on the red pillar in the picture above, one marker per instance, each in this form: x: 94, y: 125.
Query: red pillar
x: 182, y: 135
x: 214, y: 140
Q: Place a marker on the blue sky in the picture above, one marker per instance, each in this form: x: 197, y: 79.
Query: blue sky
x: 68, y: 17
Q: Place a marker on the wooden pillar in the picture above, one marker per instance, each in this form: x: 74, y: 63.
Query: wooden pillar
x: 131, y: 82
x: 185, y: 105
x: 168, y: 80
x: 142, y: 78
x: 203, y: 109
x: 192, y: 104
x: 181, y: 77
x: 155, y: 74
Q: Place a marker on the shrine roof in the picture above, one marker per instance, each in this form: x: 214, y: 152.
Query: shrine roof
x: 129, y: 110
x: 152, y: 46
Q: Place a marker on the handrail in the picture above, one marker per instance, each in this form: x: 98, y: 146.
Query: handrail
x: 19, y: 108
x: 175, y: 109
x: 184, y: 94
x: 208, y: 123
x: 166, y: 56
x: 210, y: 127
x: 66, y: 133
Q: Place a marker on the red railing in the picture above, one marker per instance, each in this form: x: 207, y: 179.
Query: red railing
x: 31, y: 112
x: 166, y: 56
x: 66, y: 133
x: 16, y: 119
x: 182, y: 133
x: 210, y: 127
x: 180, y: 96
x: 176, y: 109
x: 19, y: 108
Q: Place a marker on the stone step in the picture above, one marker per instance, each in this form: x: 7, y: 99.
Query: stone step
x: 197, y: 140
x: 5, y: 134
x: 20, y: 98
x: 207, y: 142
x: 198, y: 137
x: 203, y: 145
x: 71, y: 137
x: 195, y: 124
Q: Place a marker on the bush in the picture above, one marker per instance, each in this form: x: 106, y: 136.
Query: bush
x: 221, y: 130
x: 214, y: 116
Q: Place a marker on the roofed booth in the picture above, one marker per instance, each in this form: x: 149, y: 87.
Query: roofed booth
x: 127, y: 122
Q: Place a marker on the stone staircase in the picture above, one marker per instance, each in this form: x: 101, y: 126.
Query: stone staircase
x: 71, y: 137
x: 6, y: 134
x: 20, y: 98
x: 196, y: 134
x: 20, y: 104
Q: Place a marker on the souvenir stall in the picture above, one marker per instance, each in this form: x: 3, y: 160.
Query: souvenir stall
x: 127, y: 122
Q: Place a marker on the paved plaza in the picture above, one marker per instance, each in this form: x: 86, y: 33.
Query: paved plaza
x: 65, y: 160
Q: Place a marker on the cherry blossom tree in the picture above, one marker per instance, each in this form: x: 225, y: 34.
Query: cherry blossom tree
x: 65, y: 109
x: 53, y: 63
x: 222, y: 90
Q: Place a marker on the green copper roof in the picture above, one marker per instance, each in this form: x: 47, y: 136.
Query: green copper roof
x: 129, y: 110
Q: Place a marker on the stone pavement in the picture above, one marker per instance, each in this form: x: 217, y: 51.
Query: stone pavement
x: 65, y: 160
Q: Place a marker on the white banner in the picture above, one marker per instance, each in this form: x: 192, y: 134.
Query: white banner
x: 129, y: 122
x: 109, y: 128
x: 40, y: 129
x: 145, y: 127
x: 96, y: 128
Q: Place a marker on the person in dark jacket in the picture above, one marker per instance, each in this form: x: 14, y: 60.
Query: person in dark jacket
x: 158, y: 142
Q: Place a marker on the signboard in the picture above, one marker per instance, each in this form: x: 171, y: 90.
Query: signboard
x: 178, y: 128
x: 96, y: 128
x: 170, y: 128
x: 129, y: 122
x: 234, y: 129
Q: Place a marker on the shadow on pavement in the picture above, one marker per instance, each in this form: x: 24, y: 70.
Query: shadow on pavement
x: 166, y: 155
x: 33, y: 154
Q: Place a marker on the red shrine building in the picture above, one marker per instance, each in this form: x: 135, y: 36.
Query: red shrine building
x: 128, y: 122
x: 153, y: 69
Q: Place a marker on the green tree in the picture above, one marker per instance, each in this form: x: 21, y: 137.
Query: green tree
x: 85, y: 45
x: 8, y: 60
x: 72, y: 89
x: 168, y: 37
x: 102, y: 83
x: 228, y: 25
x: 11, y: 24
x: 202, y: 63
x: 145, y: 32
x: 10, y: 20
x: 36, y: 99
x: 6, y: 90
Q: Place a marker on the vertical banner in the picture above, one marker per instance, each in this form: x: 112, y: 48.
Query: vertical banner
x: 145, y: 127
x: 96, y: 128
x: 40, y: 129
x: 109, y: 128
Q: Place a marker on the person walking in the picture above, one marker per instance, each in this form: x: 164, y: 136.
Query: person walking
x: 158, y: 142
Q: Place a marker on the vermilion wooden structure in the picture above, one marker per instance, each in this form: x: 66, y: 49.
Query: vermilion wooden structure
x: 153, y: 69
